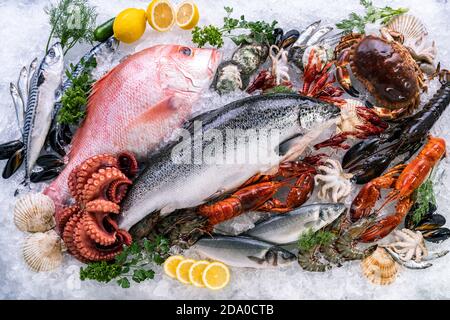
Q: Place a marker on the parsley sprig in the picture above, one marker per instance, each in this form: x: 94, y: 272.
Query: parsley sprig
x: 257, y: 31
x: 133, y: 262
x: 424, y: 197
x: 75, y: 98
x: 373, y: 14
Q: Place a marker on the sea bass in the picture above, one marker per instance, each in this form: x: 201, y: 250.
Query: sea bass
x: 244, y: 252
x: 274, y: 128
x: 138, y: 104
x: 287, y: 228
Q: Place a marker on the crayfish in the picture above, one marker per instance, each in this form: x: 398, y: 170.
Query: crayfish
x: 259, y: 193
x: 404, y: 179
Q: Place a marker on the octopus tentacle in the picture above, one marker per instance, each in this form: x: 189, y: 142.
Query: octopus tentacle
x: 65, y: 215
x: 100, y: 227
x: 80, y: 175
x: 98, y: 184
x: 128, y: 164
x: 69, y: 238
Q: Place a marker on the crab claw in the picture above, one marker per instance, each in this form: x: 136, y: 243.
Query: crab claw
x: 343, y: 76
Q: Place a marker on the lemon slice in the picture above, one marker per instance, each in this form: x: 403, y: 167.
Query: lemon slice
x: 160, y: 15
x: 183, y: 270
x: 171, y: 264
x: 187, y: 15
x: 129, y: 25
x: 216, y: 276
x: 196, y: 273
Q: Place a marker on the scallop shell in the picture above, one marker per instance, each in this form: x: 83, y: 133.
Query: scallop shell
x: 43, y: 251
x: 34, y: 212
x: 410, y: 26
x: 379, y: 267
x: 349, y: 119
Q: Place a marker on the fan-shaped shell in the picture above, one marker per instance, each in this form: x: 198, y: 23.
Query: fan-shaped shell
x: 409, y: 26
x: 34, y: 212
x: 43, y: 251
x: 349, y: 118
x: 379, y: 267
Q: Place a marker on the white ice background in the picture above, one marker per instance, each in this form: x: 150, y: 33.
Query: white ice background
x: 23, y: 33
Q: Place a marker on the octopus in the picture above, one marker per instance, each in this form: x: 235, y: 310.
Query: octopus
x: 88, y: 227
x: 334, y: 184
x: 409, y: 245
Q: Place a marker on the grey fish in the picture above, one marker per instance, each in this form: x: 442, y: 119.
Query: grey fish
x: 22, y: 84
x: 174, y: 179
x: 18, y: 105
x: 306, y: 34
x: 412, y: 264
x: 44, y: 85
x: 31, y: 71
x: 318, y: 35
x: 287, y: 228
x: 244, y: 252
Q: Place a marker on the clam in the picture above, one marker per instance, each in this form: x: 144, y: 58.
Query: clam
x: 43, y: 251
x: 34, y: 212
x: 379, y: 267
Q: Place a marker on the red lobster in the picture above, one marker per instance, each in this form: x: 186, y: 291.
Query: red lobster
x: 404, y: 179
x: 259, y: 192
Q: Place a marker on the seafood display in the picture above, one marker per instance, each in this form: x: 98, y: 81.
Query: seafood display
x: 167, y: 182
x: 165, y: 81
x: 307, y: 147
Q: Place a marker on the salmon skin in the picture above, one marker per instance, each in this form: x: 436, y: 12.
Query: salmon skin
x: 171, y: 181
x: 137, y: 105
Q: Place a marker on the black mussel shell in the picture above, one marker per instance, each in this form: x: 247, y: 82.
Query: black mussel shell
x: 50, y: 161
x: 7, y: 149
x: 437, y: 235
x: 13, y: 164
x: 288, y: 39
x: 59, y: 137
x: 432, y: 222
x: 278, y: 35
x: 45, y: 175
x: 409, y: 223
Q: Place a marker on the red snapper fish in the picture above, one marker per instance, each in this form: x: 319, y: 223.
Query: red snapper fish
x: 137, y: 106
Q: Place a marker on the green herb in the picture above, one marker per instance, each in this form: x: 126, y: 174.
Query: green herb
x: 132, y: 263
x: 373, y: 14
x: 279, y: 89
x: 72, y: 21
x: 257, y: 31
x: 310, y: 239
x: 424, y: 196
x: 75, y: 98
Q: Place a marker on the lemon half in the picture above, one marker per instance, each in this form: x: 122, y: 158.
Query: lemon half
x: 160, y: 15
x: 187, y: 15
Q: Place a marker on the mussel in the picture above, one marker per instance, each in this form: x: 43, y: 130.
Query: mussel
x: 436, y: 235
x: 59, y: 137
x: 284, y: 41
x: 7, y: 149
x: 13, y: 164
x: 45, y: 174
x: 433, y: 222
x: 409, y: 220
x: 49, y: 161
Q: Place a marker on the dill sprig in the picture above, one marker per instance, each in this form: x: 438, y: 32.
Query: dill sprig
x: 373, y: 14
x: 310, y: 239
x: 72, y: 21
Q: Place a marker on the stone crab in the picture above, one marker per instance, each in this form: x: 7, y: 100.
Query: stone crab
x: 385, y: 68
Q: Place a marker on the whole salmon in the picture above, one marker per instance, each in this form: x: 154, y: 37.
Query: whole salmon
x: 138, y: 104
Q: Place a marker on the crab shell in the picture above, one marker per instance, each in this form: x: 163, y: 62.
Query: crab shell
x: 387, y: 70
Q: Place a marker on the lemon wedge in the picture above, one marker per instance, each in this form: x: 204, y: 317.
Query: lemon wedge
x: 160, y: 15
x: 187, y: 15
x: 183, y: 270
x: 216, y: 276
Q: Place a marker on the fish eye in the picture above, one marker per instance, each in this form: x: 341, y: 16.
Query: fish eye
x: 51, y: 53
x: 186, y: 51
